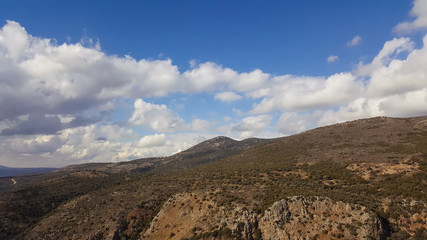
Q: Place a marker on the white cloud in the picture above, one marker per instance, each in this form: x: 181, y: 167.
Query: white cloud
x: 199, y: 125
x: 248, y: 127
x: 208, y: 77
x: 292, y: 122
x: 289, y: 93
x: 80, y: 145
x: 408, y: 104
x: 158, y: 117
x: 152, y: 140
x: 413, y: 103
x: 419, y: 11
x: 396, y: 76
x: 70, y: 146
x: 359, y: 108
x: 193, y: 63
x: 227, y: 96
x: 14, y: 40
x: 249, y: 81
x: 38, y: 145
x: 355, y: 41
x: 70, y: 87
x: 388, y: 53
x: 39, y: 76
x: 332, y: 58
x: 396, y: 86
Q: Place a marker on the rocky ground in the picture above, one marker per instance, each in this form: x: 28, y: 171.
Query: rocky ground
x: 365, y: 179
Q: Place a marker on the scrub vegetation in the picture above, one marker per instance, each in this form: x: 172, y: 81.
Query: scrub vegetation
x: 378, y: 165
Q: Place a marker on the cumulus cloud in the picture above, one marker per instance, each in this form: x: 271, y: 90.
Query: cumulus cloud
x: 247, y: 127
x: 407, y: 104
x: 208, y: 76
x: 393, y: 84
x: 14, y: 39
x: 396, y: 86
x: 292, y: 93
x: 157, y: 117
x: 38, y: 145
x: 227, y: 96
x: 153, y: 140
x: 356, y: 109
x: 39, y: 76
x: 199, y: 125
x: 395, y: 76
x: 79, y: 145
x: 355, y: 41
x: 160, y: 118
x: 293, y: 122
x: 332, y: 58
x: 34, y: 124
x: 56, y: 99
x: 249, y: 81
x: 388, y: 53
x: 419, y: 12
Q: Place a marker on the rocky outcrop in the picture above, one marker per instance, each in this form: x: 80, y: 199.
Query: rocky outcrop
x: 188, y: 215
x: 245, y: 224
x: 319, y: 218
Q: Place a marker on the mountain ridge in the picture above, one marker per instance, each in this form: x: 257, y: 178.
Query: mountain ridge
x: 12, y: 171
x: 377, y: 164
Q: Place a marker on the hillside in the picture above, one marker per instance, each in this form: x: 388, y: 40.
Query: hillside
x: 202, y: 153
x: 364, y: 179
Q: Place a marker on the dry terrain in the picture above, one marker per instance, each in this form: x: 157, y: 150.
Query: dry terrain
x: 364, y: 179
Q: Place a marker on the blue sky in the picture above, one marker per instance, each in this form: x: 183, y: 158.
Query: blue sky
x: 86, y: 81
x: 279, y: 37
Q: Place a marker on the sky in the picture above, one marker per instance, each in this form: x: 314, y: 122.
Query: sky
x: 110, y: 81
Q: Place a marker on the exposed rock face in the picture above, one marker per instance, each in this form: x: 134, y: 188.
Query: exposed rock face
x: 245, y: 224
x: 316, y: 217
x: 187, y: 215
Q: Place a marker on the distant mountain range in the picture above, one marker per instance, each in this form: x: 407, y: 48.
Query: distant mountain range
x: 8, y: 171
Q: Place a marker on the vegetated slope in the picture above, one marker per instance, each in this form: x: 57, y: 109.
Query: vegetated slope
x: 371, y: 173
x: 38, y: 194
x: 202, y: 153
x: 207, y: 151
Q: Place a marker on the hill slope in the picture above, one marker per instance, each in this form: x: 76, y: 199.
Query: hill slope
x: 373, y: 172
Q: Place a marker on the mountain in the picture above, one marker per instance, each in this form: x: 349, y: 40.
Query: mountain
x: 7, y: 171
x: 364, y: 179
x: 202, y: 153
x: 207, y: 151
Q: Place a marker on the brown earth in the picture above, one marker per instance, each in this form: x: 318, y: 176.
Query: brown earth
x: 357, y: 180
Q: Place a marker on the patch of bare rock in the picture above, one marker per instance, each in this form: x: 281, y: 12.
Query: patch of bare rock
x: 192, y: 216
